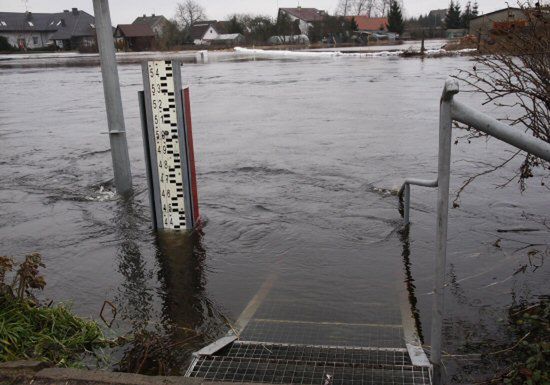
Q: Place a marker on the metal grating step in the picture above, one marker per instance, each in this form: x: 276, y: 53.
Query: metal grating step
x: 318, y: 354
x: 324, y: 333
x: 233, y: 369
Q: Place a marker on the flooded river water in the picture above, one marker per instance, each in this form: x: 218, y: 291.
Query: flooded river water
x: 296, y: 161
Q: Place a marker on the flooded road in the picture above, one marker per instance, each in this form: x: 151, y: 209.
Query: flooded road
x: 297, y: 161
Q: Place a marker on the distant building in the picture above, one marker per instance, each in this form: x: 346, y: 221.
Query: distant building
x: 157, y: 23
x: 456, y: 33
x: 370, y: 24
x: 305, y: 17
x: 203, y: 32
x: 78, y: 30
x: 135, y: 37
x: 67, y: 30
x: 483, y: 25
x: 221, y: 27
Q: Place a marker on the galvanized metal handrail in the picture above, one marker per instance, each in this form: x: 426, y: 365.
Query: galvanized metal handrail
x: 450, y: 110
x: 404, y: 194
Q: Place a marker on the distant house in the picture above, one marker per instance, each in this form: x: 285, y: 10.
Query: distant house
x: 67, y: 30
x: 135, y: 37
x: 485, y: 24
x: 456, y: 33
x: 229, y: 39
x: 76, y: 30
x: 221, y: 26
x: 203, y: 32
x: 305, y: 17
x: 370, y: 24
x: 156, y: 22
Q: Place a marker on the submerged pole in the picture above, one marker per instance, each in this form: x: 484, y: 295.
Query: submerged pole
x: 113, y: 100
x: 443, y: 171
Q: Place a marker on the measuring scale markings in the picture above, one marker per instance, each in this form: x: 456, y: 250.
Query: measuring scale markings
x: 167, y: 144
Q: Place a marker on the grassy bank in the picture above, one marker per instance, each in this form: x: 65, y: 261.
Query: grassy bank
x: 29, y: 330
x: 51, y: 334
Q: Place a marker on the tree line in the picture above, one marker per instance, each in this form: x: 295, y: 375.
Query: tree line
x: 341, y: 26
x: 257, y: 29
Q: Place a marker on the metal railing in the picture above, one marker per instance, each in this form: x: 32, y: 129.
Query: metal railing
x: 453, y: 110
x: 405, y: 194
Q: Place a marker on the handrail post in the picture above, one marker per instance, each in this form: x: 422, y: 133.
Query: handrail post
x: 407, y: 203
x: 443, y: 171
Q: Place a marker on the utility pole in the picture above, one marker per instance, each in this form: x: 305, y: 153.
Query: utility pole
x: 113, y: 100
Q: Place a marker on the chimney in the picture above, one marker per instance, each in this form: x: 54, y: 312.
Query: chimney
x: 152, y: 15
x: 144, y: 15
x: 65, y: 11
x: 28, y: 16
x: 75, y: 11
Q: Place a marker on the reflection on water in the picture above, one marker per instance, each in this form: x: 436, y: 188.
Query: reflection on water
x: 163, y: 335
x: 186, y: 304
x: 409, y: 280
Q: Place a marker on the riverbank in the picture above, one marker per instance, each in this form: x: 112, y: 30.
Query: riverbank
x: 434, y: 49
x: 36, y: 373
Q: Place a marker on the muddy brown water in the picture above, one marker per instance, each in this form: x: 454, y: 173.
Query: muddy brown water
x: 297, y: 161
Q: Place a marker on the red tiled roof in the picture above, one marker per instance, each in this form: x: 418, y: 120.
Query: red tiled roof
x: 306, y: 14
x: 365, y: 23
x: 135, y: 30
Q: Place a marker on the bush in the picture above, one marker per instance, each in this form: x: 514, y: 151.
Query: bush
x: 5, y: 45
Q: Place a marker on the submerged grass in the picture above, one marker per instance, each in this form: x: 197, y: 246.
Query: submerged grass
x: 50, y: 334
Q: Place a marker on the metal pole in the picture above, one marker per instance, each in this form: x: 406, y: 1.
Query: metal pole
x: 407, y: 203
x: 443, y: 169
x: 113, y: 100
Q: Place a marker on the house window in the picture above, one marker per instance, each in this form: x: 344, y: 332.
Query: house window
x: 35, y: 40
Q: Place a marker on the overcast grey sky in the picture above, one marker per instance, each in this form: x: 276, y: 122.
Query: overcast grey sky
x: 125, y: 11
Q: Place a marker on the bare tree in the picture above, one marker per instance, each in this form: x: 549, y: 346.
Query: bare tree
x: 363, y: 7
x: 357, y: 7
x: 383, y: 7
x: 344, y: 7
x: 188, y: 13
x: 514, y: 73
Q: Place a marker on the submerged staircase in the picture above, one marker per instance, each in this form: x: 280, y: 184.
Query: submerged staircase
x: 289, y: 341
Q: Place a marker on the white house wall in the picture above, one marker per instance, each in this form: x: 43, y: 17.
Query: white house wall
x: 211, y: 34
x: 304, y: 25
x: 41, y: 37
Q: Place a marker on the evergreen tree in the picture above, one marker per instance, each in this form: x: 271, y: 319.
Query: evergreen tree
x: 353, y: 25
x: 234, y: 25
x: 284, y: 25
x: 475, y: 10
x: 395, y: 18
x: 452, y: 19
x: 467, y: 15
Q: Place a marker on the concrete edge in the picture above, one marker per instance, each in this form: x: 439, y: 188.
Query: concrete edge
x: 35, y: 373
